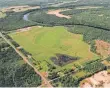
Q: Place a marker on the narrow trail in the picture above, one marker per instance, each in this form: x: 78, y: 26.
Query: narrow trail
x: 47, y: 83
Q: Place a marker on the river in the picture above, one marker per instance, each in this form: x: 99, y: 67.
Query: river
x: 25, y: 17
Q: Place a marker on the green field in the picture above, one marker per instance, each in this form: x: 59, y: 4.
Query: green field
x: 45, y: 42
x: 2, y: 15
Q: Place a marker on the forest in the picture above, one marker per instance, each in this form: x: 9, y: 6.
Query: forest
x: 13, y: 71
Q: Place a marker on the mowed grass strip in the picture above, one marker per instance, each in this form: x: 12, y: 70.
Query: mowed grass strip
x: 43, y: 43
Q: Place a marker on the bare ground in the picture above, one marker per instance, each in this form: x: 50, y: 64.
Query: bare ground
x: 19, y: 8
x: 23, y: 29
x: 99, y: 79
x: 102, y: 48
x: 26, y: 29
x: 58, y: 14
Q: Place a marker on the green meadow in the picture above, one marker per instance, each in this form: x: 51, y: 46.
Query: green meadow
x: 45, y: 42
x: 2, y: 15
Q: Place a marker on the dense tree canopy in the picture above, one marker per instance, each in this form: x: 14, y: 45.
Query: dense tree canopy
x: 13, y: 71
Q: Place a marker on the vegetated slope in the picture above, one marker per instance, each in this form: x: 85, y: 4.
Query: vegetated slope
x: 13, y: 71
x: 46, y: 42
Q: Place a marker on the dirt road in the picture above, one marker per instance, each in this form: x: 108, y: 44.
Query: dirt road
x: 27, y: 61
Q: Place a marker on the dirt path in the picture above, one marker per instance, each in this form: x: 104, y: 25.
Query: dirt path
x: 26, y: 60
x: 58, y: 14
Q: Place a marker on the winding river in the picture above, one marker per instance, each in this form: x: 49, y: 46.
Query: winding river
x: 25, y: 17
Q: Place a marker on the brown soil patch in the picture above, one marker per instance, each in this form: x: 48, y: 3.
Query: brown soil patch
x: 58, y: 14
x: 23, y: 29
x: 26, y: 29
x: 102, y: 48
x: 99, y: 79
x: 19, y: 8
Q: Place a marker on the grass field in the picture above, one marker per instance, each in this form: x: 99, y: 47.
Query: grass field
x: 43, y: 43
x: 2, y: 15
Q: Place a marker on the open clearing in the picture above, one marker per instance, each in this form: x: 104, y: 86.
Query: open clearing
x: 19, y: 8
x: 103, y: 48
x: 102, y: 78
x: 58, y: 14
x: 24, y: 29
x: 2, y: 15
x: 45, y: 42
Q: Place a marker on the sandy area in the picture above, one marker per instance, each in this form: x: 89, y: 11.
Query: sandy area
x: 58, y: 14
x: 19, y: 8
x: 102, y: 48
x: 23, y: 29
x: 89, y: 7
x: 26, y: 29
x: 99, y: 79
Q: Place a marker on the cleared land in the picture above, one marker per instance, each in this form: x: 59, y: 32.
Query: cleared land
x: 45, y: 42
x: 58, y: 14
x: 100, y: 79
x: 103, y: 48
x: 19, y: 8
